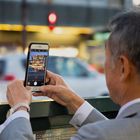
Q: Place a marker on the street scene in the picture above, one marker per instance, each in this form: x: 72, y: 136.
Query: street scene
x: 37, y: 67
x: 80, y: 36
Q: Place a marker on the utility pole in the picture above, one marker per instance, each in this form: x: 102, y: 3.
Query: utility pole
x: 23, y: 21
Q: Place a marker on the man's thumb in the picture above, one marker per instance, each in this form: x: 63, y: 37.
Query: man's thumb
x: 48, y: 88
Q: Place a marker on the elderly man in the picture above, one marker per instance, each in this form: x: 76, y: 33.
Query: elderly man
x: 17, y: 125
x: 122, y: 70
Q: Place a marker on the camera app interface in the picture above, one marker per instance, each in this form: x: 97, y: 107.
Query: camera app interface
x: 37, y: 67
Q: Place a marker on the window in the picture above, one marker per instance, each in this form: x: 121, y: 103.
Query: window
x: 24, y: 61
x: 66, y: 67
x: 2, y: 67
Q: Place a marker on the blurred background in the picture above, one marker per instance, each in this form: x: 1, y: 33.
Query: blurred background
x: 75, y: 30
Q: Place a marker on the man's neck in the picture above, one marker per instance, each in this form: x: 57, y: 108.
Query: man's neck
x: 129, y: 99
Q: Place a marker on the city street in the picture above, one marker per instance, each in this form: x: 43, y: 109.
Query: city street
x: 92, y: 48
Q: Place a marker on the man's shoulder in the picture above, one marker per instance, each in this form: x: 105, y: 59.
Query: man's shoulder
x: 112, y: 129
x: 117, y: 124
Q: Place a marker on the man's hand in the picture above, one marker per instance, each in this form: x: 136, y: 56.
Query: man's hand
x: 17, y: 93
x: 59, y: 91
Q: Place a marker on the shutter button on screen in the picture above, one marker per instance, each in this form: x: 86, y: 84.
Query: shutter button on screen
x: 35, y: 83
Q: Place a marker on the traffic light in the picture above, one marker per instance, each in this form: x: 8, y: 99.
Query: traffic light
x: 52, y: 19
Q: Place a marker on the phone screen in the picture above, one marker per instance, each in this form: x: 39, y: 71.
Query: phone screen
x: 37, y: 65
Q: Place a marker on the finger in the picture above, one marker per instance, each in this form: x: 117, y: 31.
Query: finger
x: 28, y: 87
x: 48, y: 88
x: 52, y: 76
x: 23, y: 82
x: 42, y: 94
x: 9, y: 98
x: 48, y: 91
x: 48, y: 81
x: 51, y: 95
x: 38, y: 94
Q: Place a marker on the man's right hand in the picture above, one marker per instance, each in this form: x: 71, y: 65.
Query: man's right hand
x: 59, y: 91
x: 17, y: 93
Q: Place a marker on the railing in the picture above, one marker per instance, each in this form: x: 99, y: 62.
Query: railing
x: 50, y: 120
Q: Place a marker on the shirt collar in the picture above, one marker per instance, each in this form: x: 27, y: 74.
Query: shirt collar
x: 128, y: 104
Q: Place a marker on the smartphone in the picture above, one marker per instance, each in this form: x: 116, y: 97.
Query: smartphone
x: 36, y: 69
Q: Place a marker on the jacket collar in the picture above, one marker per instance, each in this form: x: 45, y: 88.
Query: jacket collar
x: 130, y: 111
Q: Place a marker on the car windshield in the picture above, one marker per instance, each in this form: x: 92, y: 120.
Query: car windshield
x: 24, y: 61
x: 66, y: 67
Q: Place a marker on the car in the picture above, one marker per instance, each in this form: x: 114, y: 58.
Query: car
x: 11, y: 68
x: 85, y: 82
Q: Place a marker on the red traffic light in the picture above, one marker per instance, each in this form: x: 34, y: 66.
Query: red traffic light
x: 52, y: 18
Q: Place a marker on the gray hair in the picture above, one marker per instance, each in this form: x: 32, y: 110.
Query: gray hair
x: 125, y: 36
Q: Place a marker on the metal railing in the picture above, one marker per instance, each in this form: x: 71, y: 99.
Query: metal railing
x: 50, y: 120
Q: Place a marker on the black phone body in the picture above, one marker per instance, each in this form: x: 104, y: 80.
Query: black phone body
x: 36, y: 69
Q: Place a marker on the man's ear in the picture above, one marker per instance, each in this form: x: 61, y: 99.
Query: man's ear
x: 124, y: 68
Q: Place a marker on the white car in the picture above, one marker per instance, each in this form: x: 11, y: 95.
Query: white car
x: 76, y: 73
x: 11, y: 68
